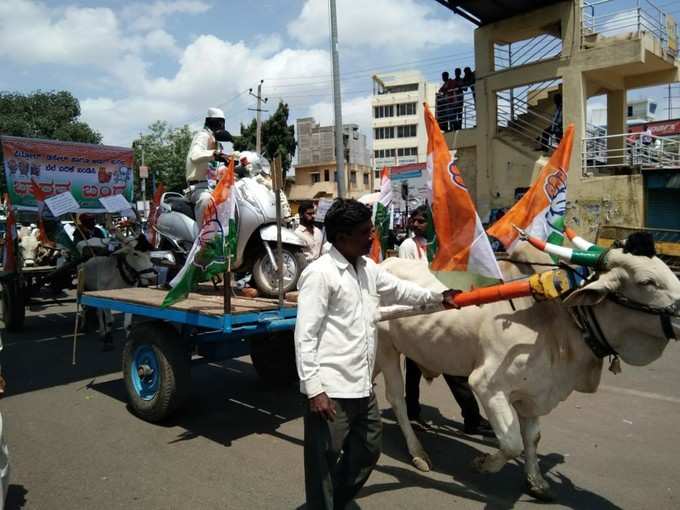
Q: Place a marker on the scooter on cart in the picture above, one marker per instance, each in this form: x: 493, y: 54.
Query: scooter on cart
x: 256, y: 218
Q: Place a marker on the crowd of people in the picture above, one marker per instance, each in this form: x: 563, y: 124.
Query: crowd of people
x: 450, y: 105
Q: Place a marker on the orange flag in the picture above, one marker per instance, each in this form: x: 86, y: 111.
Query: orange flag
x: 462, y: 244
x: 540, y: 212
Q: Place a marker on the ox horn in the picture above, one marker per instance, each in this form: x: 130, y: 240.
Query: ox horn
x: 581, y: 243
x: 579, y: 257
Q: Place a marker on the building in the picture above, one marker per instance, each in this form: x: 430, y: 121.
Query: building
x: 398, y: 124
x: 316, y: 172
x: 528, y: 60
x: 639, y: 111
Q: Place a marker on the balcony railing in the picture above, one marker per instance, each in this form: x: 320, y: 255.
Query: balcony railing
x: 536, y: 49
x: 605, y: 18
x: 606, y: 153
x: 456, y: 109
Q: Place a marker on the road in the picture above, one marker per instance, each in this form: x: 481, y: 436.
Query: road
x: 238, y: 443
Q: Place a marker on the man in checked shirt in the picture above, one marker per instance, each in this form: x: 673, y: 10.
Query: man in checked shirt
x: 335, y: 346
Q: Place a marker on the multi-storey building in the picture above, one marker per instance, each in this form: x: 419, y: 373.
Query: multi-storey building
x: 316, y: 169
x: 399, y: 135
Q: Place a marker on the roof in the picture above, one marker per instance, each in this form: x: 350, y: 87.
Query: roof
x: 482, y: 12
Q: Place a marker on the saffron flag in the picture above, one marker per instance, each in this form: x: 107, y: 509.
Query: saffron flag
x: 9, y: 258
x: 540, y: 212
x: 461, y: 243
x: 381, y: 217
x: 40, y: 197
x: 216, y: 242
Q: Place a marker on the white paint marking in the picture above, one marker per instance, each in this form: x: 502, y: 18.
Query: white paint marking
x: 642, y: 394
x: 241, y: 403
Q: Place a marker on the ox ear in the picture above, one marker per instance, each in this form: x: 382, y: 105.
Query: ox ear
x: 593, y: 292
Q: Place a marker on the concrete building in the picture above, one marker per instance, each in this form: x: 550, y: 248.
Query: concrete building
x: 639, y: 111
x: 316, y: 172
x: 399, y: 135
x: 525, y: 57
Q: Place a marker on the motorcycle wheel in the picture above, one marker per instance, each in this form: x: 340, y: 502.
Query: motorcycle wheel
x: 265, y: 276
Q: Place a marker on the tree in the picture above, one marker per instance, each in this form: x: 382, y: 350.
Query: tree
x: 278, y: 138
x: 49, y: 115
x: 165, y: 152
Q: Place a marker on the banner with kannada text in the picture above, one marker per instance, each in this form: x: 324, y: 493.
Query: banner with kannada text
x: 88, y: 171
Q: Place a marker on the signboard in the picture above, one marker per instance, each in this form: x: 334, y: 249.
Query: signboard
x: 143, y: 172
x: 61, y: 204
x: 88, y: 171
x: 322, y: 208
x: 115, y: 203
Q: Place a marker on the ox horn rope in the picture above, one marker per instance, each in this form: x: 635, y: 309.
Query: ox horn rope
x: 581, y: 243
x: 593, y: 258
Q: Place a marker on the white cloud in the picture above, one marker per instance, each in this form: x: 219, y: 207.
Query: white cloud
x: 160, y: 41
x: 144, y: 16
x: 401, y: 26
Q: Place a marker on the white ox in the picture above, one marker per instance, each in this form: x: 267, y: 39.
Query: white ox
x: 522, y: 363
x: 29, y: 244
x: 129, y: 266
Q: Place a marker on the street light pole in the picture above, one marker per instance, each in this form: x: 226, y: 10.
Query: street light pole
x: 337, y: 103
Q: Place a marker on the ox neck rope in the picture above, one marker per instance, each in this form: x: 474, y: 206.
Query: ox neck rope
x: 129, y: 274
x: 594, y: 337
x: 664, y: 313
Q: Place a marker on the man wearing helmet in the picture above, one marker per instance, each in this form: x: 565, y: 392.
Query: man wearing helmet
x: 202, y: 152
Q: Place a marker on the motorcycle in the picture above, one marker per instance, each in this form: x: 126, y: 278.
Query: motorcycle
x: 256, y: 219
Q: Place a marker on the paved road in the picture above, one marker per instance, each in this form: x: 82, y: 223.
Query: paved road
x: 238, y: 444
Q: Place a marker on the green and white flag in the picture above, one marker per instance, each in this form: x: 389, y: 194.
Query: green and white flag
x: 382, y: 217
x: 215, y: 244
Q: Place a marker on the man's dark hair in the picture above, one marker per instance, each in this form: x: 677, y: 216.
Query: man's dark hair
x: 457, y: 71
x: 640, y: 243
x: 421, y: 210
x: 344, y: 216
x: 304, y: 206
x: 445, y: 75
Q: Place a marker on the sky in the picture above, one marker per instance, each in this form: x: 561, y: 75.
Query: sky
x: 131, y: 63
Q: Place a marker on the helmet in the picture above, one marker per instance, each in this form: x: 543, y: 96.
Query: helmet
x: 215, y: 113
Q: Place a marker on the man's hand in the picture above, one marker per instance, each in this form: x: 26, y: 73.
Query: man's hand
x: 220, y: 156
x: 322, y: 405
x: 447, y: 299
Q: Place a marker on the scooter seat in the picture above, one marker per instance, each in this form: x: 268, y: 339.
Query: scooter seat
x: 181, y: 205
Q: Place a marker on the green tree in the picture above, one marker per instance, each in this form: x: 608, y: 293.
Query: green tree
x: 165, y: 152
x: 278, y: 138
x: 50, y: 115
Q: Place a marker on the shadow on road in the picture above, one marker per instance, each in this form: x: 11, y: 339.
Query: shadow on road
x: 16, y: 497
x: 228, y: 402
x: 453, y: 457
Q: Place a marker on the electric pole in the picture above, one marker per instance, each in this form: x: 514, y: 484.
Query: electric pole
x: 258, y: 110
x: 337, y: 103
x: 143, y: 173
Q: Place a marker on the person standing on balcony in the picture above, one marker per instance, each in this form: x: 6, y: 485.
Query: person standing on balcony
x: 458, y: 87
x: 552, y: 135
x: 444, y: 105
x: 469, y: 81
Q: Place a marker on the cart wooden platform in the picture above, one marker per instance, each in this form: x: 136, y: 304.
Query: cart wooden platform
x: 162, y: 341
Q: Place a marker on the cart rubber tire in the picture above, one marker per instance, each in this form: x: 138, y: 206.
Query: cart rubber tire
x: 13, y: 305
x: 273, y: 357
x: 261, y: 281
x: 156, y: 345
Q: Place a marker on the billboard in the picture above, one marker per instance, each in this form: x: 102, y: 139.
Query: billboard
x: 88, y: 171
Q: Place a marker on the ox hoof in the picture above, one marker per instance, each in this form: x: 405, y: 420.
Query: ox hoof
x: 422, y: 463
x: 538, y: 488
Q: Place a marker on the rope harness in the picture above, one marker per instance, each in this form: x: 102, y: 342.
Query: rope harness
x: 128, y: 273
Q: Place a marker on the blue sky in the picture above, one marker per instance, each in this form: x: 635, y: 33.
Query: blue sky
x: 133, y: 62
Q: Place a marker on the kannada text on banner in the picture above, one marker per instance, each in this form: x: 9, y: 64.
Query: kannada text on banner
x: 88, y: 171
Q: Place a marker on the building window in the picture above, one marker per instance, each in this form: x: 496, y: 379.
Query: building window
x: 406, y: 109
x: 383, y: 132
x: 376, y: 174
x: 406, y: 131
x: 384, y: 153
x: 326, y: 175
x: 630, y: 111
x: 366, y: 177
x: 382, y: 111
x: 316, y: 177
x: 407, y: 151
x: 353, y: 177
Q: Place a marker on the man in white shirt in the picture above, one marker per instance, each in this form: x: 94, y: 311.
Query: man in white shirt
x: 335, y: 347
x: 416, y: 248
x: 202, y: 152
x: 310, y: 233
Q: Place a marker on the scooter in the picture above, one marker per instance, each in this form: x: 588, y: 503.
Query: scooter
x: 256, y: 219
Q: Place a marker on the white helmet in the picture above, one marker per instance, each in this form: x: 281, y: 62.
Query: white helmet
x: 215, y: 113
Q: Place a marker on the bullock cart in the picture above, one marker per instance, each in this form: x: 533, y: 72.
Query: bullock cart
x: 28, y: 286
x: 162, y: 342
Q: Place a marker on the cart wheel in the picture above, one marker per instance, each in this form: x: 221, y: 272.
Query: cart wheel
x: 156, y: 370
x: 273, y: 357
x: 13, y: 306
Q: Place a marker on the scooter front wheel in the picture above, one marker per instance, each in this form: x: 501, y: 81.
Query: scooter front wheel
x: 266, y: 278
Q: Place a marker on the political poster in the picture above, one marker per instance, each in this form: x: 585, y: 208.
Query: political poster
x: 88, y: 171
